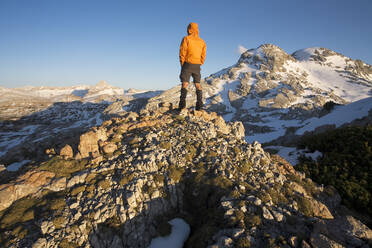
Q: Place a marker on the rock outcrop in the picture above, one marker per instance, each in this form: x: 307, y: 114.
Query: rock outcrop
x: 136, y: 172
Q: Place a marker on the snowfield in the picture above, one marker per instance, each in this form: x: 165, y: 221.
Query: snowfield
x: 340, y: 115
x: 180, y: 233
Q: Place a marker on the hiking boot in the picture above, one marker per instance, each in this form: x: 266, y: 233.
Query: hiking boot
x: 182, y: 103
x: 199, y: 100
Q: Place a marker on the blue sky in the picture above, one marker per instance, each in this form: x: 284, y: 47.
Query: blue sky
x: 134, y: 44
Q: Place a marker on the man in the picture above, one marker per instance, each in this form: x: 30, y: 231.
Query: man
x: 192, y: 56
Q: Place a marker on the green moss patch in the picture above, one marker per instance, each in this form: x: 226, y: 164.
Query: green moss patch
x: 62, y: 167
x: 104, y: 184
x: 77, y: 190
x: 19, y: 212
x: 126, y: 179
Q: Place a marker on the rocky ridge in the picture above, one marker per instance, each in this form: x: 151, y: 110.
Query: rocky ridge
x: 123, y: 180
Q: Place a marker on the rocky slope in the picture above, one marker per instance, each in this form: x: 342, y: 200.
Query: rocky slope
x: 33, y: 118
x: 120, y: 183
x: 274, y: 93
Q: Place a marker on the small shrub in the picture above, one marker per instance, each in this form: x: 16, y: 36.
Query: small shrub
x: 59, y: 222
x: 235, y: 194
x: 239, y: 218
x: 165, y: 145
x: 265, y: 197
x: 200, y: 172
x: 274, y: 195
x: 19, y: 232
x: 77, y: 190
x: 104, y: 184
x: 211, y: 155
x: 62, y: 167
x: 237, y: 150
x: 175, y: 173
x: 221, y: 182
x: 243, y: 242
x: 179, y: 118
x: 57, y: 204
x: 90, y: 189
x: 67, y: 244
x: 247, y: 186
x: 159, y: 179
x: 245, y: 167
x: 304, y: 206
x: 252, y: 220
x: 126, y: 179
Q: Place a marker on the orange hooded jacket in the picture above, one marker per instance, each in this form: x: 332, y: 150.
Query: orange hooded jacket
x: 193, y: 48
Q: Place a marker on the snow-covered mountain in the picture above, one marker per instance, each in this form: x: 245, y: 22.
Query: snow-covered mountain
x: 273, y: 92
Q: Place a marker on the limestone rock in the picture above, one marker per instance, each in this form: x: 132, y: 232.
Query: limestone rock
x: 27, y: 184
x: 109, y: 148
x: 88, y: 145
x: 66, y: 152
x: 320, y: 210
x: 320, y: 240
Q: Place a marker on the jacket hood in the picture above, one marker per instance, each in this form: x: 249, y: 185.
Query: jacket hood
x: 193, y: 29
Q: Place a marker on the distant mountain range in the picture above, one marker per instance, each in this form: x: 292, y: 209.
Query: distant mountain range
x: 32, y: 118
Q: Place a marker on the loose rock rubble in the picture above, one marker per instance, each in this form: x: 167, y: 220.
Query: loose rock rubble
x: 129, y: 176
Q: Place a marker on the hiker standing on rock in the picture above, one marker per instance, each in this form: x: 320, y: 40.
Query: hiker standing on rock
x: 192, y: 56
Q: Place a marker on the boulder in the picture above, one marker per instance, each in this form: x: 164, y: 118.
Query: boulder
x: 320, y: 240
x: 88, y: 145
x: 109, y: 148
x: 221, y: 125
x: 66, y: 152
x: 320, y: 210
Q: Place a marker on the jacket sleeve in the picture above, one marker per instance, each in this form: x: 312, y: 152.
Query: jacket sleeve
x: 204, y: 52
x: 183, y: 51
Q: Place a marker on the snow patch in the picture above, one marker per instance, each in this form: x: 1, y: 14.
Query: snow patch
x: 180, y: 232
x: 340, y: 115
x: 304, y: 54
x: 241, y: 49
x: 291, y: 154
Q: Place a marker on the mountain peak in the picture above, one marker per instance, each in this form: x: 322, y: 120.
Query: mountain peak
x: 270, y: 56
x: 102, y: 84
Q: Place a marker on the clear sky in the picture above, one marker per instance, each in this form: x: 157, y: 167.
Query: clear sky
x: 135, y: 44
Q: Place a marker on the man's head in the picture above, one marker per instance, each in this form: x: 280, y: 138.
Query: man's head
x: 193, y: 29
